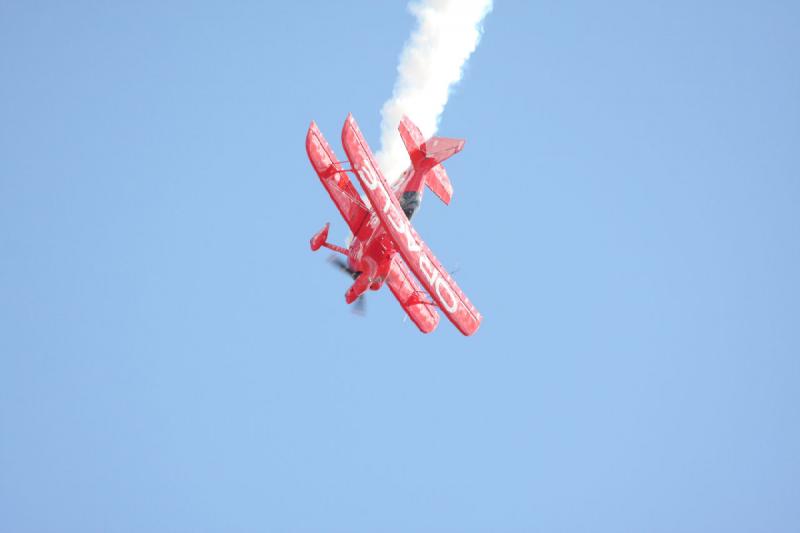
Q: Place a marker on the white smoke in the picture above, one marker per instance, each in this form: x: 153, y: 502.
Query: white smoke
x: 447, y: 33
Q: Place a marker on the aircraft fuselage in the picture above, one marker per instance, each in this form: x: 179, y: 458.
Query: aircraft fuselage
x: 371, y: 250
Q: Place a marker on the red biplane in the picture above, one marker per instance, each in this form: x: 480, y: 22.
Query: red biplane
x: 385, y: 247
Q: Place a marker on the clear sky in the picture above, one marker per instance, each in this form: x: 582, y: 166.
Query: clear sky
x: 174, y: 358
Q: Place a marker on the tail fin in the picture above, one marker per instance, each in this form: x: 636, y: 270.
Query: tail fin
x: 427, y: 156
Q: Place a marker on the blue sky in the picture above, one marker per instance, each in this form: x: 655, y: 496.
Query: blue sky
x: 174, y: 358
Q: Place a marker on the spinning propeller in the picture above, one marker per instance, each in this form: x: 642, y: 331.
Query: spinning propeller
x: 359, y: 306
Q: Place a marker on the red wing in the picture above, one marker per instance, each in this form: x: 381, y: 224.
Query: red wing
x: 436, y: 280
x: 336, y: 182
x: 408, y: 292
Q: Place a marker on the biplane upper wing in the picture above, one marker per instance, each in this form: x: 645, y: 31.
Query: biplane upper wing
x: 408, y: 292
x: 333, y: 177
x: 436, y: 280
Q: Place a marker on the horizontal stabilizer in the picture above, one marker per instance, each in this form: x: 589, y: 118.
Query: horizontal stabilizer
x: 427, y: 156
x: 436, y: 179
x: 413, y: 140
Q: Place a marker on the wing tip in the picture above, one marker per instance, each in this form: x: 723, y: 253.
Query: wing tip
x: 471, y: 331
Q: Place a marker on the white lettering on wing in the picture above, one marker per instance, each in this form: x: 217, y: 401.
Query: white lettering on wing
x: 395, y: 217
x: 400, y: 224
x: 440, y: 285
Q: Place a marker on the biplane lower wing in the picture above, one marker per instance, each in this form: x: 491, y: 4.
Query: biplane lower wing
x: 408, y: 292
x: 436, y: 280
x: 334, y: 179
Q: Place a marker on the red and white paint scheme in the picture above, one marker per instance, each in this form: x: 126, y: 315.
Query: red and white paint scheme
x: 385, y: 246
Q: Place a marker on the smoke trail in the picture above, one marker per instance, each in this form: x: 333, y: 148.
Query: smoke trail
x: 447, y: 33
